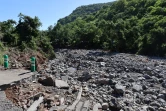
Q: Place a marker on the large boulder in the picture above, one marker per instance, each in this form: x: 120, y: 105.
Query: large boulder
x: 46, y: 81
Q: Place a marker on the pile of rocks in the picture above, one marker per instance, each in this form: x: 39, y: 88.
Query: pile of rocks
x: 116, y: 81
x: 95, y: 80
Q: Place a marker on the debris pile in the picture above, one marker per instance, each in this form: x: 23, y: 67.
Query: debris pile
x: 95, y: 80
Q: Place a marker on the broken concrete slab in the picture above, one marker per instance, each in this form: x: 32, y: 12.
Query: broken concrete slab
x: 34, y: 106
x: 13, y: 75
x: 61, y: 84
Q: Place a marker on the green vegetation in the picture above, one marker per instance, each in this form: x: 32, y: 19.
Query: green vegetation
x: 25, y: 34
x: 132, y: 26
x: 83, y: 11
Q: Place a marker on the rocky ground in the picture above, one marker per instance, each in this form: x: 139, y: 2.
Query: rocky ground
x: 95, y: 80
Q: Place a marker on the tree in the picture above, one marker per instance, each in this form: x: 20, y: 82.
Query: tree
x: 27, y: 27
x: 8, y: 32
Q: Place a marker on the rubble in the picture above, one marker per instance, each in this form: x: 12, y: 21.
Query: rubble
x: 96, y: 80
x: 61, y: 84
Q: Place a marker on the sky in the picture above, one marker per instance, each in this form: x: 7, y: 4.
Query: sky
x: 48, y: 11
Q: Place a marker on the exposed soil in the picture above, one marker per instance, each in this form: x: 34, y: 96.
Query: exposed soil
x: 19, y: 59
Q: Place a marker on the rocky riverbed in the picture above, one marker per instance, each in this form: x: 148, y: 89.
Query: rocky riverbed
x: 95, y: 80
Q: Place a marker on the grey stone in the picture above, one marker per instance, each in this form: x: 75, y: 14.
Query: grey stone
x: 149, y: 69
x: 164, y: 84
x: 147, y: 100
x: 157, y: 70
x: 103, y: 81
x: 72, y: 70
x: 114, y: 103
x: 102, y: 64
x: 156, y: 104
x: 147, y: 76
x: 144, y: 87
x: 143, y: 108
x: 85, y: 76
x: 119, y: 88
x: 141, y: 78
x: 100, y: 60
x: 97, y: 106
x: 136, y: 88
x: 162, y: 109
x: 150, y: 108
x: 111, y: 76
x: 131, y: 80
x: 94, y: 85
x: 162, y: 96
x: 65, y: 78
x: 61, y: 84
x: 105, y: 106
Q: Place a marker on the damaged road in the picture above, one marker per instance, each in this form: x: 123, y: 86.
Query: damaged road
x: 95, y: 80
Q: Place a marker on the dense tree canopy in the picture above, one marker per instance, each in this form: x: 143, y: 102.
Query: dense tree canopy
x: 135, y: 26
x: 83, y: 11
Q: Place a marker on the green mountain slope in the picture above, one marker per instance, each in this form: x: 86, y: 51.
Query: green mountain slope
x: 135, y: 26
x: 83, y: 11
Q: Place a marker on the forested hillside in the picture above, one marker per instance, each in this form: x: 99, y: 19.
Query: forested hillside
x: 135, y: 26
x: 83, y: 11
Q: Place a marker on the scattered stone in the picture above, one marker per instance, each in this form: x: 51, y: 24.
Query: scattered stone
x: 155, y: 104
x: 102, y: 64
x: 122, y: 82
x: 72, y: 70
x: 85, y: 77
x: 61, y: 84
x: 131, y: 80
x: 120, y: 89
x: 111, y: 76
x: 103, y: 81
x: 97, y: 106
x: 137, y: 88
x: 162, y: 109
x: 162, y: 96
x: 105, y: 106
